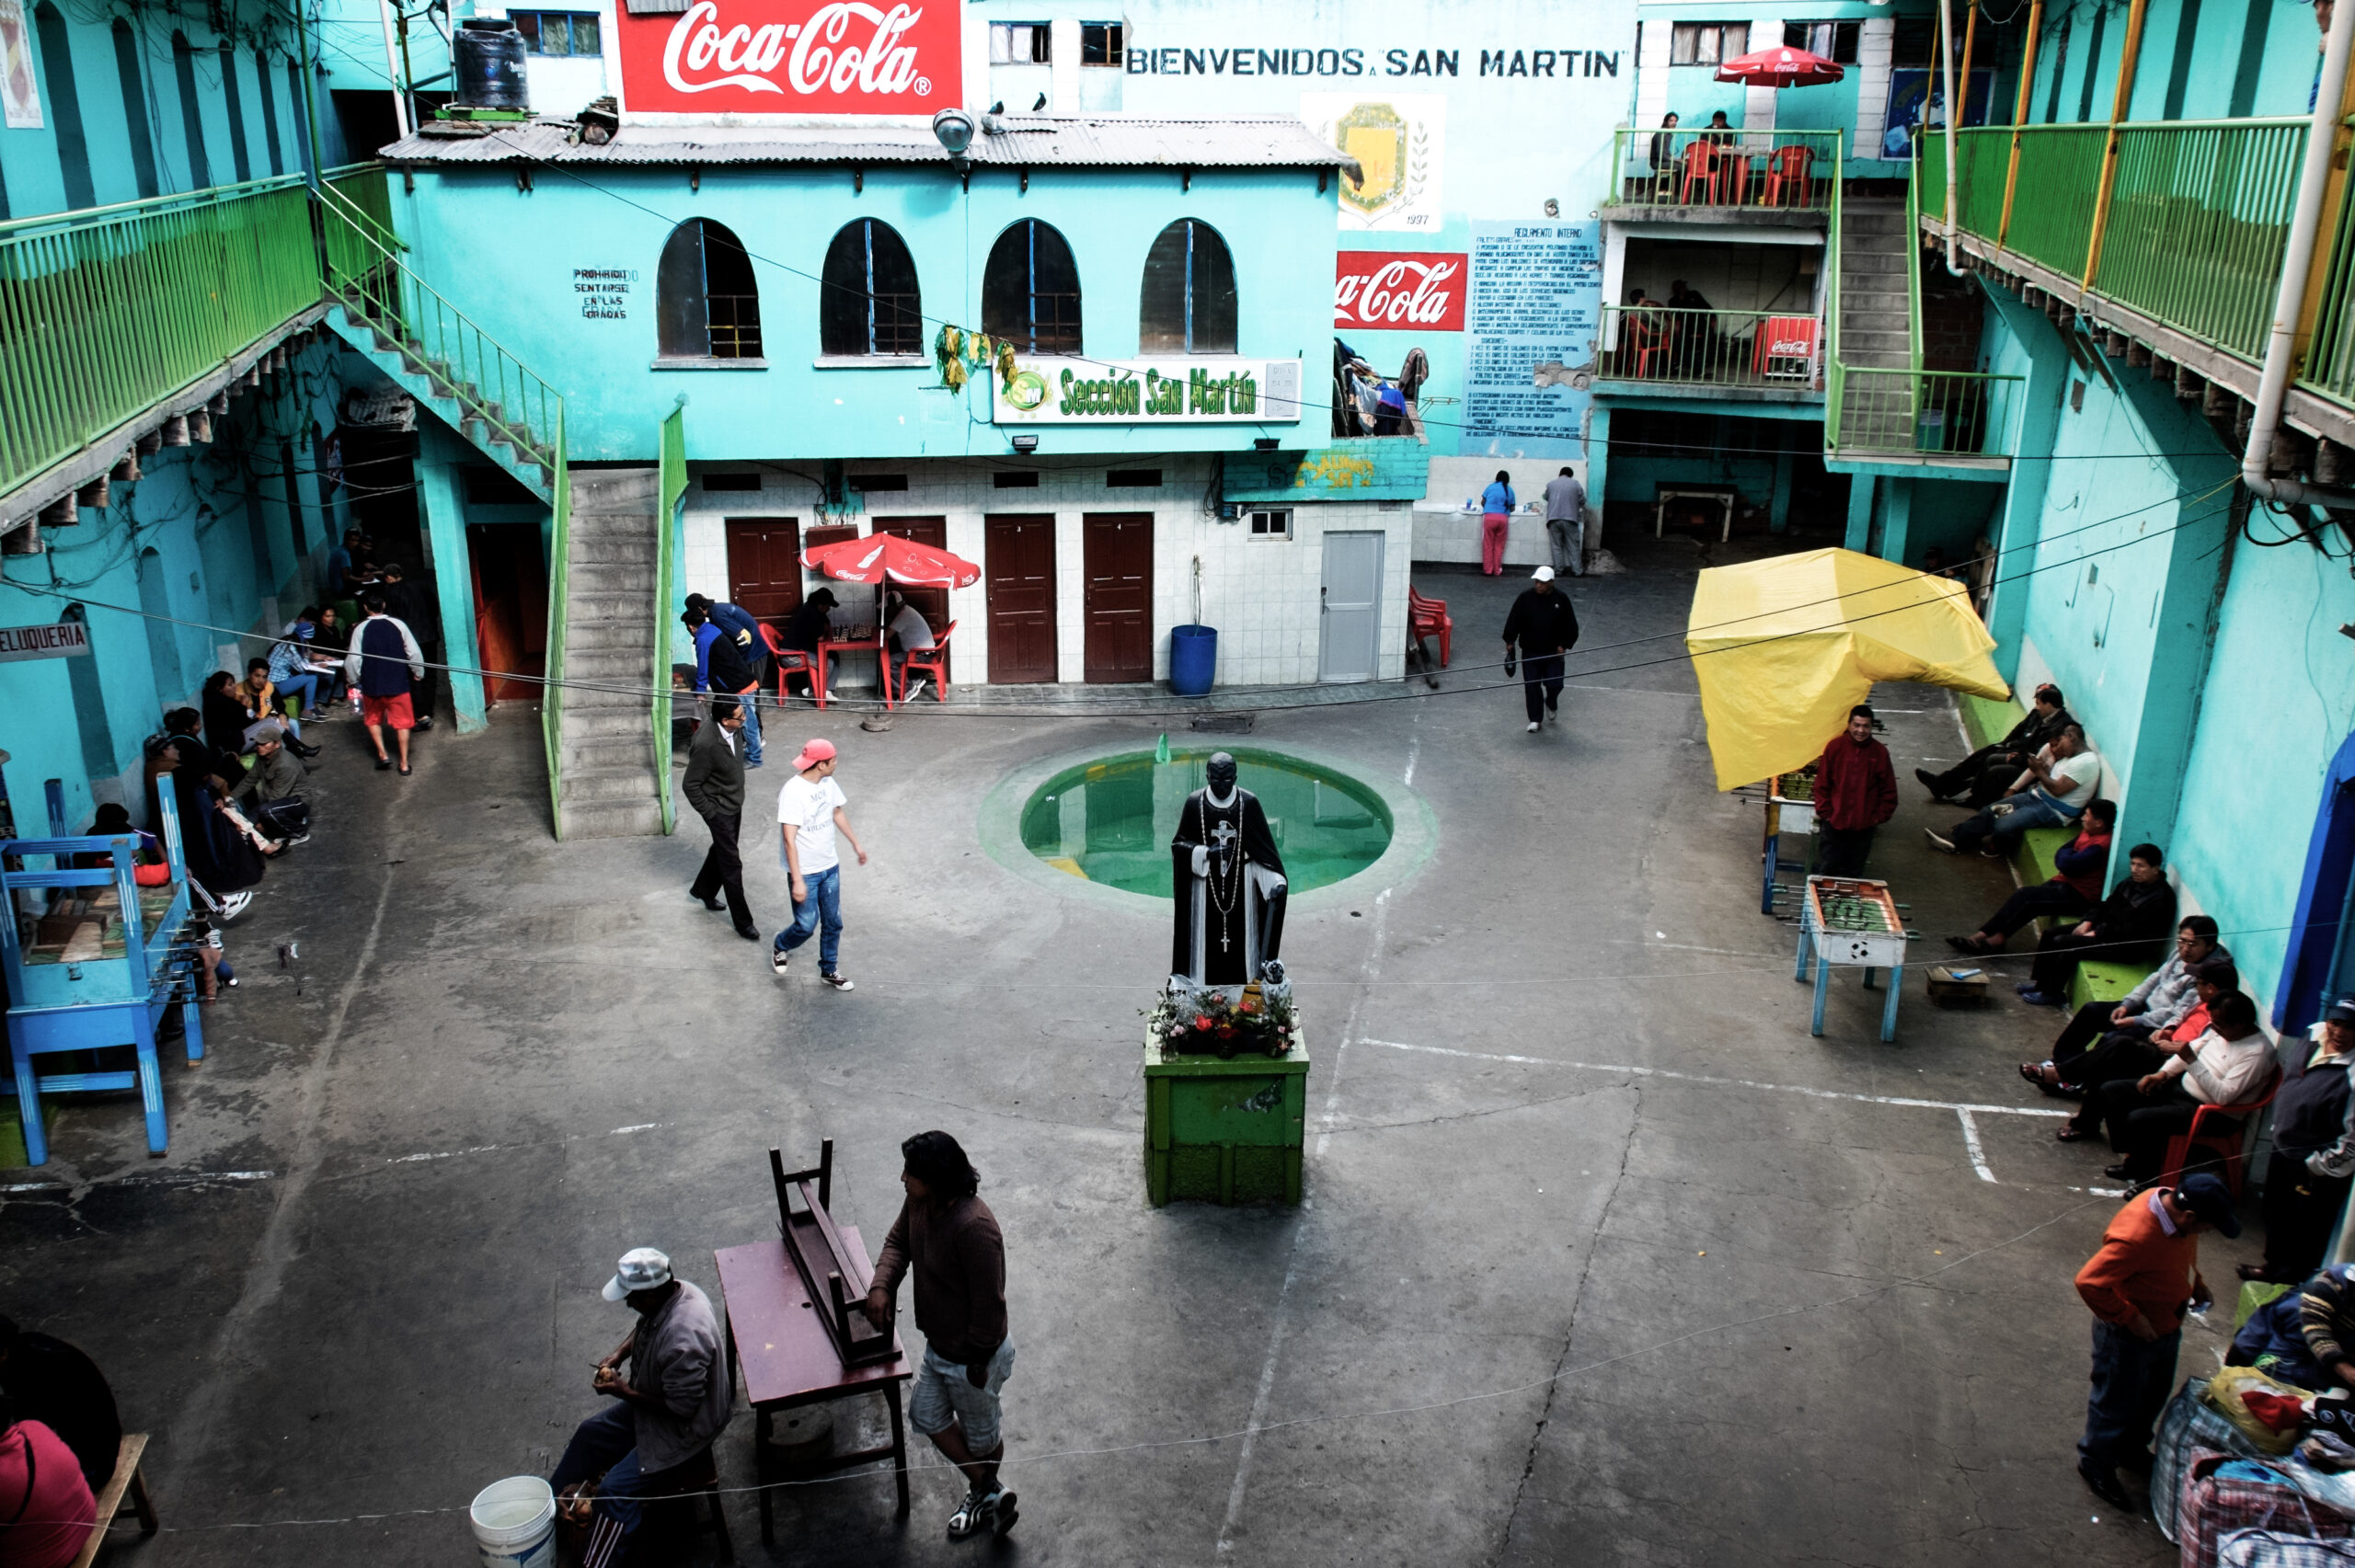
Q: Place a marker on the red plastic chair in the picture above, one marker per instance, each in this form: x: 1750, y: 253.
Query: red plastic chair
x: 1426, y: 616
x: 1788, y: 170
x: 1648, y: 340
x: 1701, y: 161
x: 789, y: 661
x: 2222, y: 1132
x: 933, y: 661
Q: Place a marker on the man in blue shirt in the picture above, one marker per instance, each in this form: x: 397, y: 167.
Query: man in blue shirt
x: 722, y: 666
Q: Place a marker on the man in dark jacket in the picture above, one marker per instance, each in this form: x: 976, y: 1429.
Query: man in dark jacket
x: 2313, y: 1156
x: 1546, y: 627
x: 2131, y: 927
x: 1855, y: 791
x: 714, y: 787
x: 50, y: 1381
x: 2073, y: 889
x: 1983, y: 776
x: 405, y: 602
x: 723, y: 667
x: 384, y: 665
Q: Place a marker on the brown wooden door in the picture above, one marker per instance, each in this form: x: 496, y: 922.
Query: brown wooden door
x: 1019, y: 565
x: 1118, y: 564
x: 932, y: 603
x: 764, y: 567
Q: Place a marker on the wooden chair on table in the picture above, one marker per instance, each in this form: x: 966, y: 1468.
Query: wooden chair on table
x: 2218, y: 1138
x: 1426, y: 616
x: 789, y: 660
x: 933, y: 661
x: 1701, y: 160
x: 127, y: 1490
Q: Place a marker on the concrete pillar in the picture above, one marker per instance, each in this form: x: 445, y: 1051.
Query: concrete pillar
x: 1860, y: 513
x: 1598, y: 472
x: 1778, y: 510
x: 1896, y: 519
x: 440, y: 502
x: 2018, y: 517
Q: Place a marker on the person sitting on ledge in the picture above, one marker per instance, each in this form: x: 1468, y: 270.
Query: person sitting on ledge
x: 2165, y: 995
x: 2072, y: 891
x: 1983, y: 776
x: 2060, y: 780
x: 2128, y: 928
x: 2130, y: 1054
x: 2230, y: 1066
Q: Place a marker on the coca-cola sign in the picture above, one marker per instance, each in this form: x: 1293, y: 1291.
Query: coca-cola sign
x: 792, y: 57
x: 1400, y: 291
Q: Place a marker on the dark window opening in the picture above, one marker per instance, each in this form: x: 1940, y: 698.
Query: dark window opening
x: 1133, y: 479
x: 1030, y: 291
x: 707, y: 304
x: 134, y: 109
x: 1826, y: 41
x: 269, y: 113
x: 65, y: 105
x: 233, y: 97
x: 870, y: 484
x: 1099, y: 43
x: 559, y: 32
x: 1006, y: 479
x: 200, y: 167
x: 869, y: 303
x: 713, y: 482
x: 1189, y: 296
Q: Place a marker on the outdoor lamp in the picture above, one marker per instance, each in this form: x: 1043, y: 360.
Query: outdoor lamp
x: 954, y: 130
x: 1026, y: 444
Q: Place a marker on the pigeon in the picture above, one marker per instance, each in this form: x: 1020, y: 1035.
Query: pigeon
x: 998, y: 107
x: 1039, y: 105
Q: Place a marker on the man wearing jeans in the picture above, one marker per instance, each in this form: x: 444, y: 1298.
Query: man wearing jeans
x: 2059, y: 781
x: 1565, y: 522
x: 947, y: 1236
x: 810, y: 809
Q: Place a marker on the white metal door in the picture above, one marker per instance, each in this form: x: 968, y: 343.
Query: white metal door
x: 1350, y: 642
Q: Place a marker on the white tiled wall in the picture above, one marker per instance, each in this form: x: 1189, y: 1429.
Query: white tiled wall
x: 1262, y: 594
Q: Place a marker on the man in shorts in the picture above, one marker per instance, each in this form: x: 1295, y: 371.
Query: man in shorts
x: 947, y: 1236
x: 383, y: 667
x: 810, y: 810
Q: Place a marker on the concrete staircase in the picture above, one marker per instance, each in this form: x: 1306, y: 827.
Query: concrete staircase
x: 458, y: 402
x: 607, y: 787
x: 1875, y: 325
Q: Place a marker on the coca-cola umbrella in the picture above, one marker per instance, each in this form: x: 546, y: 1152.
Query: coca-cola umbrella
x: 1780, y: 67
x: 881, y: 556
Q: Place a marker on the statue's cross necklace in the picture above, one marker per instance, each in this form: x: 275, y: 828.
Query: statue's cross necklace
x: 1224, y: 862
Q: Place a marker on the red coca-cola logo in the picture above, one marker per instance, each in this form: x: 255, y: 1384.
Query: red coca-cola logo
x: 792, y: 57
x: 1400, y: 291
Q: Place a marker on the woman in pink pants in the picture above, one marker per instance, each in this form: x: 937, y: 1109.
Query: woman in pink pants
x: 1496, y: 508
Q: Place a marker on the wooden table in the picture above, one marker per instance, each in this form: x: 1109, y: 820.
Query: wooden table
x: 1723, y: 496
x: 788, y: 1360
x: 855, y: 641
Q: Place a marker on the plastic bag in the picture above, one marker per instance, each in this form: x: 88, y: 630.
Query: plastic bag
x: 2269, y: 1414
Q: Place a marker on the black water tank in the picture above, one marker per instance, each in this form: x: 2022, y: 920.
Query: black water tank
x: 489, y: 58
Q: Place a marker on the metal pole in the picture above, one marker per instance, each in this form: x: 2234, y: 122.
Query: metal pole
x: 393, y: 68
x: 1954, y: 112
x: 2019, y: 116
x: 2118, y: 104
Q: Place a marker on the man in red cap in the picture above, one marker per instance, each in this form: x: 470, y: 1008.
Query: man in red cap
x: 810, y: 809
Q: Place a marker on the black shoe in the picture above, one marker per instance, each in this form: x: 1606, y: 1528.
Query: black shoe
x: 2102, y: 1480
x: 706, y: 901
x: 2118, y: 1173
x: 424, y: 721
x: 383, y: 764
x: 748, y: 932
x: 300, y: 749
x: 1930, y: 782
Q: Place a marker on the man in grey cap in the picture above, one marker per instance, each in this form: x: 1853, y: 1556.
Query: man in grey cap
x: 675, y: 1399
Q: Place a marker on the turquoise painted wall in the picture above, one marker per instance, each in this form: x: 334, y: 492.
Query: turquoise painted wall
x: 465, y: 228
x: 2285, y: 67
x: 29, y: 157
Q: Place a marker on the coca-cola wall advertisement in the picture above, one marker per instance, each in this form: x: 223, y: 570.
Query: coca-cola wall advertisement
x: 792, y: 57
x: 1400, y: 291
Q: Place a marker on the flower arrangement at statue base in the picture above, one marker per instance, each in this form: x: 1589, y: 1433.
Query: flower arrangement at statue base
x: 1259, y: 1019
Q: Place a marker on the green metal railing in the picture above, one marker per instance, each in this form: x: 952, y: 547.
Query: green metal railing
x: 2199, y: 216
x: 2330, y: 354
x: 1711, y: 348
x: 1699, y: 168
x: 106, y: 312
x: 2052, y: 205
x: 552, y: 691
x: 1912, y: 412
x: 672, y: 498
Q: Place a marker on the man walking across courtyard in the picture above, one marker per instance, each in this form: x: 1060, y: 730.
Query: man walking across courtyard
x: 810, y: 811
x: 947, y: 1236
x: 1565, y: 522
x: 383, y: 667
x: 1544, y: 624
x: 714, y: 787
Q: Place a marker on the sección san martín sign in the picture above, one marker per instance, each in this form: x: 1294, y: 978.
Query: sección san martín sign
x: 1149, y: 392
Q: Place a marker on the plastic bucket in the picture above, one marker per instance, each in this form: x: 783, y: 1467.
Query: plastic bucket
x: 1193, y: 659
x: 514, y: 1523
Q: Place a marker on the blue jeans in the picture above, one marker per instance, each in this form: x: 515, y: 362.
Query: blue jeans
x: 749, y: 704
x: 2035, y: 809
x: 2132, y: 1378
x: 821, y: 911
x: 304, y: 686
x: 606, y: 1444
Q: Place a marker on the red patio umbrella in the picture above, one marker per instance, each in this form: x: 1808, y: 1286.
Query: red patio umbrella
x: 1780, y: 68
x: 881, y: 556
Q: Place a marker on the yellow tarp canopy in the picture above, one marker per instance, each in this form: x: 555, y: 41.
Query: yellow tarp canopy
x: 1786, y: 646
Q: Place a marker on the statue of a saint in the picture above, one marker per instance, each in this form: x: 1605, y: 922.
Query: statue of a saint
x: 1229, y: 882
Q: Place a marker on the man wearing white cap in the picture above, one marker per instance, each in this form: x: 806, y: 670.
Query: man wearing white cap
x: 675, y: 1399
x: 810, y: 810
x: 1546, y: 627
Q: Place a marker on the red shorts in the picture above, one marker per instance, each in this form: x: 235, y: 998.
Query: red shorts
x: 394, y: 710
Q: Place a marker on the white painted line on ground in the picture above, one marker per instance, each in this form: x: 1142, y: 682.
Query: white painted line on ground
x: 1970, y: 1141
x: 536, y: 1143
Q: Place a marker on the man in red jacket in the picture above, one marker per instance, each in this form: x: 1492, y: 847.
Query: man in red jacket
x: 1855, y: 791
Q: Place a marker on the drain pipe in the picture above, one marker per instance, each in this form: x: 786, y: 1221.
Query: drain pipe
x: 1954, y: 113
x: 2297, y: 261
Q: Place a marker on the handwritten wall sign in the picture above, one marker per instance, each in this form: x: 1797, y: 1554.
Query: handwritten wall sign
x: 1536, y: 297
x: 605, y: 291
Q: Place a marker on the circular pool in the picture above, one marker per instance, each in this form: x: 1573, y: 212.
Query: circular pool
x: 1110, y: 820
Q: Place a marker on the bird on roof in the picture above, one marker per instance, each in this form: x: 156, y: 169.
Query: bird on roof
x: 998, y: 107
x: 1039, y: 105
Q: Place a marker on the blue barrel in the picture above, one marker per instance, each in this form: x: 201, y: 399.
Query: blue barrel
x: 1193, y: 659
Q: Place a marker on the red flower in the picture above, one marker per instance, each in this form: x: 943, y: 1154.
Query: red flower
x: 1202, y: 1023
x: 1226, y: 1030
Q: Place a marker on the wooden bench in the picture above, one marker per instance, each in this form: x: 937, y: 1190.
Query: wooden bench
x: 1425, y: 616
x: 127, y: 1483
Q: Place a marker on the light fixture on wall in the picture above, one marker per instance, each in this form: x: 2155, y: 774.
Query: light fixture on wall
x: 953, y: 127
x: 1026, y: 444
x: 1264, y: 444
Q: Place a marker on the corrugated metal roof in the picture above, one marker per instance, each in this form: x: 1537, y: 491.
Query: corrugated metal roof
x: 1019, y: 141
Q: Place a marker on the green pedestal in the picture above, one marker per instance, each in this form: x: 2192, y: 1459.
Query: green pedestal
x: 1224, y: 1131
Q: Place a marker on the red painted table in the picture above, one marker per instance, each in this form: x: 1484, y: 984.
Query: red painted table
x: 775, y: 1335
x: 852, y: 642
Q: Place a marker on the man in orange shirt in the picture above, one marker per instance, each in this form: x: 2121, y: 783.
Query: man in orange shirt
x: 2137, y: 1284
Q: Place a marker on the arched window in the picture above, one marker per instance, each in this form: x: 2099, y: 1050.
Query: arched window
x: 1030, y: 291
x: 200, y: 167
x: 269, y: 111
x: 234, y: 96
x: 706, y: 303
x: 134, y: 109
x: 1189, y: 297
x: 869, y: 303
x: 65, y: 105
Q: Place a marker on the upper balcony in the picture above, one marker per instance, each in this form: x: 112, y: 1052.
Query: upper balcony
x: 1755, y: 354
x: 1724, y: 177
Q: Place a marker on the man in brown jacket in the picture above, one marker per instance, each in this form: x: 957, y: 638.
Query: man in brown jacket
x: 948, y: 1238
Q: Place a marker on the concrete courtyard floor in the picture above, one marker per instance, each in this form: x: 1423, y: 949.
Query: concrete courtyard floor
x: 1605, y: 1260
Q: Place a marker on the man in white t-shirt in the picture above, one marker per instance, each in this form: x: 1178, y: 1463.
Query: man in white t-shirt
x: 910, y: 632
x: 2059, y: 781
x: 810, y: 810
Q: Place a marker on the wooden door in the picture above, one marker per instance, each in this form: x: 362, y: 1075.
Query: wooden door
x: 1019, y: 565
x: 505, y: 563
x: 932, y: 603
x: 1117, y: 562
x: 764, y: 567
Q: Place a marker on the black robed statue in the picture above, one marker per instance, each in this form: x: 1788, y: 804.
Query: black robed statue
x: 1229, y: 882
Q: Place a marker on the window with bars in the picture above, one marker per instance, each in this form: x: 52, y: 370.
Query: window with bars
x: 1708, y: 43
x: 559, y: 32
x: 1019, y: 43
x: 1099, y: 43
x: 1827, y: 40
x: 706, y: 305
x: 1030, y: 291
x: 1188, y: 305
x: 869, y: 303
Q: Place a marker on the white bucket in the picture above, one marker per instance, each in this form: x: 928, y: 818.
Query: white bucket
x: 514, y: 1523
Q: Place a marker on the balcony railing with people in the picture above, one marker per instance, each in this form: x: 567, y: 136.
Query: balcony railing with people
x: 1725, y: 166
x: 1652, y: 342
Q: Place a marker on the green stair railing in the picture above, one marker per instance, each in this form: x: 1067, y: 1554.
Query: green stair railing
x: 671, y: 499
x: 552, y: 687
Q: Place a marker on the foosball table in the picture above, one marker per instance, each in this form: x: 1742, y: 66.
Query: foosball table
x: 1850, y: 924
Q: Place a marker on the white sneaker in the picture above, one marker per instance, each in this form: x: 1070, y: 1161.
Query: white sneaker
x: 235, y: 905
x: 779, y: 961
x: 1532, y: 727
